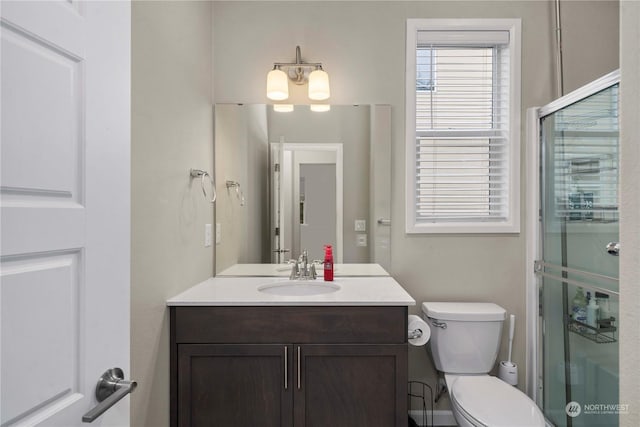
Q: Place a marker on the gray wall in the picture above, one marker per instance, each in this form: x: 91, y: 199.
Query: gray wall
x: 361, y: 45
x: 630, y: 206
x: 172, y: 131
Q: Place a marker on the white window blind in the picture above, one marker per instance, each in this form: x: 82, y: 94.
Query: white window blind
x: 461, y: 155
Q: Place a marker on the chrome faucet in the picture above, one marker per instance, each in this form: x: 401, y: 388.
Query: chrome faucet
x: 294, y: 270
x: 301, y: 270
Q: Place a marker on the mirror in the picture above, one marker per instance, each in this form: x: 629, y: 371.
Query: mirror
x: 293, y: 181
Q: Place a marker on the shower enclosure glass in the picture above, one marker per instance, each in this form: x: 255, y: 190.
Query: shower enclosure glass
x: 579, y: 200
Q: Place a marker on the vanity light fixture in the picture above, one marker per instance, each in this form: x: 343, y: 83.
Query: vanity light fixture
x: 283, y: 108
x: 299, y: 73
x: 277, y: 84
x: 319, y: 85
x: 320, y: 108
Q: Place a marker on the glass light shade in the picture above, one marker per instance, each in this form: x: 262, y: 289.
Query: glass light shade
x: 319, y: 85
x: 283, y: 108
x: 277, y: 85
x: 320, y: 108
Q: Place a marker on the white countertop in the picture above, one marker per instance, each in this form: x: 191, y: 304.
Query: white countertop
x: 283, y: 270
x: 243, y: 291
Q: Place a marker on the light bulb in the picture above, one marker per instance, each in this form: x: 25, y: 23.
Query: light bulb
x: 319, y: 85
x: 277, y: 85
x: 283, y: 108
x: 320, y: 108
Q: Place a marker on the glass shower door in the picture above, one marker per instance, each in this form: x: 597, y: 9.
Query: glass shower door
x: 579, y: 286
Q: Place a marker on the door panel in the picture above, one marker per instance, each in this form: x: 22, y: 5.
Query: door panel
x: 351, y: 385
x: 43, y: 85
x: 317, y: 207
x: 31, y: 330
x: 65, y: 208
x: 234, y: 385
x: 581, y: 150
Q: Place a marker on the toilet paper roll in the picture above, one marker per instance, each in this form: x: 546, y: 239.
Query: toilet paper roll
x: 415, y: 322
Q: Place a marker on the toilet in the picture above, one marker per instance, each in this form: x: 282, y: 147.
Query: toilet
x: 465, y: 338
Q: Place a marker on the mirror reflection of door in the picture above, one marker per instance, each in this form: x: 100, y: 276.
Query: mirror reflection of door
x: 307, y: 189
x: 316, y: 204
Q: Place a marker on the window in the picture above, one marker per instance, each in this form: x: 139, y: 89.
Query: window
x: 424, y: 69
x: 463, y: 126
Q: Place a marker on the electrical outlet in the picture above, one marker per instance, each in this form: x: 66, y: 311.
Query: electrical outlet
x: 218, y: 233
x: 360, y: 225
x: 361, y: 240
x: 207, y: 235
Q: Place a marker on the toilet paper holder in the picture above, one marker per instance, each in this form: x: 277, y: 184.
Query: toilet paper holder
x: 414, y: 333
x: 418, y: 332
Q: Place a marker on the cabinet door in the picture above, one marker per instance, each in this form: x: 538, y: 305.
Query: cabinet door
x: 236, y: 385
x: 350, y: 385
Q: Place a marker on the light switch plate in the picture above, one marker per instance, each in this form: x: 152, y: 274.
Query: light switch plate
x: 361, y: 240
x: 207, y: 235
x: 361, y: 225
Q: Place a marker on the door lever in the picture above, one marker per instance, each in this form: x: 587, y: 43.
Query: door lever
x: 613, y: 248
x: 110, y: 389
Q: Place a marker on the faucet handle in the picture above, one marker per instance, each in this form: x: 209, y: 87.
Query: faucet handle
x: 312, y: 272
x: 294, y: 271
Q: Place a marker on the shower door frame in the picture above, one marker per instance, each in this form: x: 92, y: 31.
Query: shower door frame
x: 533, y: 238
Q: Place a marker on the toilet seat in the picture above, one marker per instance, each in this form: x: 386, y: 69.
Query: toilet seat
x: 488, y: 401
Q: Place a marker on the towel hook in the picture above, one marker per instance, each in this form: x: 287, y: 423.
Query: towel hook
x: 195, y: 173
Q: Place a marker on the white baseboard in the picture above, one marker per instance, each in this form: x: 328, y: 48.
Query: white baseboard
x: 440, y: 418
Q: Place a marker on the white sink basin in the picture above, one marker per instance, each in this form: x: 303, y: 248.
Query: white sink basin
x: 299, y: 288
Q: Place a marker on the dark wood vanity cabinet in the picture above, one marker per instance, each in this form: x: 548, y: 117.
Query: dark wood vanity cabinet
x: 288, y: 366
x: 232, y: 385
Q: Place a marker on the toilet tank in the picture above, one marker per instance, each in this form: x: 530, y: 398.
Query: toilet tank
x: 465, y: 336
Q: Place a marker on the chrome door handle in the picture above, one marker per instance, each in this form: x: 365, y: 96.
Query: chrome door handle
x: 110, y: 389
x: 613, y: 248
x: 384, y: 221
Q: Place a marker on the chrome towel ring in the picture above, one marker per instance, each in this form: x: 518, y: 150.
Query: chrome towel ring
x: 239, y: 193
x: 195, y: 173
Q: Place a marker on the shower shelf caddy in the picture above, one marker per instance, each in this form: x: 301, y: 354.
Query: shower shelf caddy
x: 605, y: 333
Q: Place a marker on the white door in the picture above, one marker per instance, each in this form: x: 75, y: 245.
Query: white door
x: 302, y: 229
x: 65, y: 178
x: 316, y: 203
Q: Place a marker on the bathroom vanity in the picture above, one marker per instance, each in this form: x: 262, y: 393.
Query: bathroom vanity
x: 244, y: 354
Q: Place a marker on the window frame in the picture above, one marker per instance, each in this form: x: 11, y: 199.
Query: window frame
x: 512, y: 223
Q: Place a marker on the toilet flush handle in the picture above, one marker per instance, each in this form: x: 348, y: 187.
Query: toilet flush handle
x: 438, y: 324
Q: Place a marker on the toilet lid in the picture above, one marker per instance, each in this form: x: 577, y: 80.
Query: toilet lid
x: 492, y: 402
